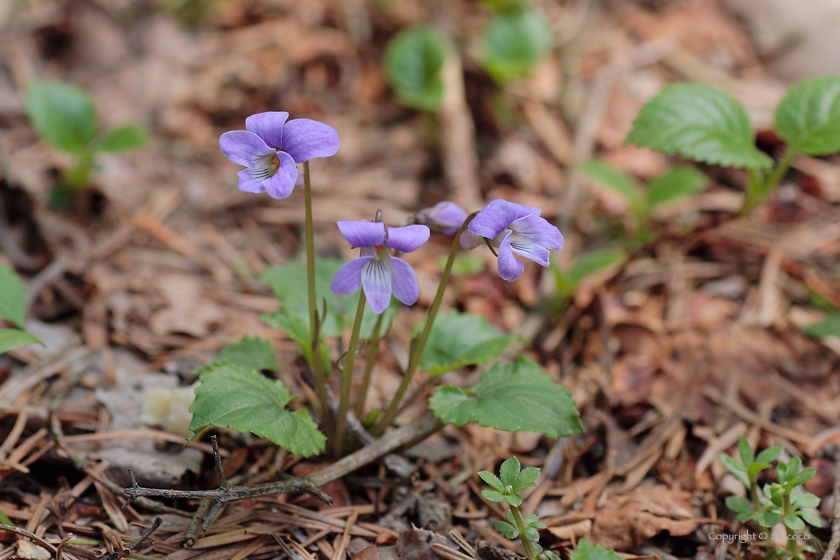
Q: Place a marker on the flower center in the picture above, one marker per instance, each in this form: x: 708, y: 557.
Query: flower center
x: 265, y: 167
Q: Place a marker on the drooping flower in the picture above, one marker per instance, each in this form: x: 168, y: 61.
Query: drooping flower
x: 445, y: 217
x: 270, y: 148
x: 513, y: 228
x: 380, y: 273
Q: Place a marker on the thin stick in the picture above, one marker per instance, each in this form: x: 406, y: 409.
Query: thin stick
x: 133, y: 544
x: 834, y: 543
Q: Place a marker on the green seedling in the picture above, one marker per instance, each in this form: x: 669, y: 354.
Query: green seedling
x: 677, y: 182
x: 778, y: 501
x: 12, y: 309
x: 514, y: 42
x: 413, y: 64
x: 707, y: 125
x: 513, y: 479
x: 64, y: 116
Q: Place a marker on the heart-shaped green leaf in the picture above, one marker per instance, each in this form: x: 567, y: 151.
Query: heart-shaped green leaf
x: 514, y: 43
x: 252, y: 352
x: 61, y: 113
x: 13, y: 338
x: 129, y: 137
x: 698, y: 122
x: 12, y: 296
x: 511, y: 397
x: 808, y: 118
x: 460, y: 339
x: 413, y: 63
x: 245, y: 400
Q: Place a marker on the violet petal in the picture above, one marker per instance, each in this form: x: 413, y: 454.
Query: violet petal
x: 446, y: 216
x: 404, y: 282
x: 349, y: 277
x: 376, y: 281
x: 304, y: 139
x: 243, y: 147
x: 497, y: 215
x: 539, y: 231
x: 407, y: 238
x: 361, y: 233
x: 268, y: 126
x: 526, y: 248
x: 509, y: 266
x: 470, y: 241
x: 248, y: 184
x: 282, y: 183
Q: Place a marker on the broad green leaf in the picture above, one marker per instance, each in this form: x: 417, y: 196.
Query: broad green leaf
x: 511, y: 397
x: 738, y: 504
x: 13, y: 338
x: 129, y: 137
x: 746, y: 516
x: 613, y: 179
x: 587, y: 551
x: 675, y: 183
x: 810, y: 518
x: 492, y: 495
x: 298, y: 330
x: 250, y: 353
x: 808, y: 118
x: 827, y: 327
x: 460, y: 339
x: 232, y: 397
x: 290, y: 288
x: 794, y: 522
x: 509, y: 471
x: 12, y: 296
x: 769, y: 455
x: 768, y: 519
x: 746, y: 452
x: 413, y: 63
x: 807, y: 500
x: 586, y: 265
x: 514, y: 43
x: 698, y: 122
x: 492, y: 480
x: 61, y: 113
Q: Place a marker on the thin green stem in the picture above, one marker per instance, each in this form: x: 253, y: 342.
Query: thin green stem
x: 760, y: 186
x: 792, y: 544
x: 373, y: 348
x: 417, y: 351
x: 529, y: 548
x: 347, y: 377
x: 314, y: 326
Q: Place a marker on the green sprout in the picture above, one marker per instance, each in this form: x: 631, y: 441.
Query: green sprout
x: 779, y: 501
x: 65, y: 116
x: 505, y: 488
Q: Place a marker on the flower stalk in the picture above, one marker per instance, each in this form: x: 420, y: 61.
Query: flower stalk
x: 420, y: 345
x: 314, y: 324
x: 347, y: 377
x: 373, y: 348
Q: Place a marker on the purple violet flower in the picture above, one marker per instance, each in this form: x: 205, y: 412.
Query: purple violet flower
x: 380, y: 273
x: 445, y: 217
x: 513, y: 228
x: 270, y: 148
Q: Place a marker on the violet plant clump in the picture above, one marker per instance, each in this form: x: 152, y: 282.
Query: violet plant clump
x: 234, y: 393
